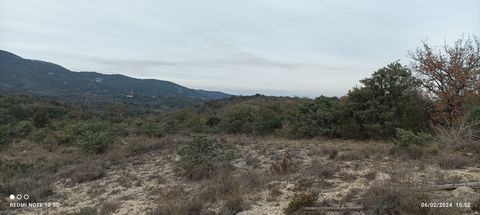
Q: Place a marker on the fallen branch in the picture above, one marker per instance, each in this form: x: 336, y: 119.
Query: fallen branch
x: 312, y: 209
x: 450, y: 186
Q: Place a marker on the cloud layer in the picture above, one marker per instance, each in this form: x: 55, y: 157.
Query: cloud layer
x: 277, y: 47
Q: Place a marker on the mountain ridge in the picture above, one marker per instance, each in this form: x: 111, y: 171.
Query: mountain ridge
x: 36, y: 77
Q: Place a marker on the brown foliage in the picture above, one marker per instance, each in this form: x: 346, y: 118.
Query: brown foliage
x: 451, y: 75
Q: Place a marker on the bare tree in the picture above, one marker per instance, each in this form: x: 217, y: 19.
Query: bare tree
x: 451, y: 75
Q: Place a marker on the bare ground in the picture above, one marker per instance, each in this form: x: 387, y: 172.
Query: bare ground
x: 338, y: 171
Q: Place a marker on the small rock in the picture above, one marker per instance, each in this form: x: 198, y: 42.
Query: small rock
x: 464, y: 195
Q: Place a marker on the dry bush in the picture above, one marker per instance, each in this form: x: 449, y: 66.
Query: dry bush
x: 371, y: 175
x: 83, y: 172
x: 391, y: 198
x: 299, y: 201
x: 476, y: 205
x: 464, y: 136
x: 221, y: 186
x: 396, y: 195
x: 350, y: 156
x: 415, y: 152
x: 109, y: 208
x: 203, y: 157
x: 176, y: 200
x: 234, y: 204
x: 184, y: 207
x: 323, y: 169
x: 453, y: 161
x: 284, y: 165
x: 330, y: 151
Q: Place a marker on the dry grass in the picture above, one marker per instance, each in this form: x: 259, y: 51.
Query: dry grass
x: 269, y: 172
x: 453, y: 161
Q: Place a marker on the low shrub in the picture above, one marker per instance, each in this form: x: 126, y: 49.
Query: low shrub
x: 202, y: 158
x: 405, y: 138
x: 83, y: 172
x: 390, y: 198
x: 24, y: 128
x: 322, y: 169
x: 284, y: 165
x: 351, y: 156
x: 6, y: 134
x: 300, y: 200
x: 233, y: 205
x: 96, y: 141
x: 452, y: 162
x: 109, y: 207
x: 149, y: 129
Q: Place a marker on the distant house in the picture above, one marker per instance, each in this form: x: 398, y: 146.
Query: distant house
x: 130, y: 95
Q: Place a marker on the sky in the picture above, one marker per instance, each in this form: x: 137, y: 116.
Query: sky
x: 300, y: 48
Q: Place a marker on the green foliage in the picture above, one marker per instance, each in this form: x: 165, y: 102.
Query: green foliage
x: 202, y: 158
x: 388, y: 100
x: 6, y: 134
x: 268, y: 120
x: 314, y: 118
x: 21, y: 111
x: 93, y: 135
x: 474, y: 116
x: 300, y: 200
x: 240, y: 120
x: 40, y: 117
x: 97, y: 141
x: 96, y: 136
x: 405, y: 138
x: 213, y: 121
x: 24, y: 128
x: 149, y: 129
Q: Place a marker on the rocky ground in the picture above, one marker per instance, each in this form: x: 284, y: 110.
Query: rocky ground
x: 340, y: 173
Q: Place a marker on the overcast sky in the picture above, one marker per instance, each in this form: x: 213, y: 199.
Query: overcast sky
x: 273, y: 47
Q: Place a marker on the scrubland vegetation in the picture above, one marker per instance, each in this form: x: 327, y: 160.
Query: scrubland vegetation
x: 400, y: 129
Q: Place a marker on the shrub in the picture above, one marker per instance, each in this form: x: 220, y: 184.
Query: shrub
x: 149, y: 129
x: 240, y: 120
x: 390, y: 98
x: 94, y: 135
x: 474, y: 116
x: 234, y: 204
x: 40, y: 117
x: 405, y: 138
x: 351, y: 156
x: 268, y: 120
x: 392, y: 198
x: 452, y: 162
x: 319, y: 117
x: 300, y: 200
x: 6, y: 134
x: 109, y: 207
x: 322, y: 169
x: 213, y: 121
x: 24, y: 128
x: 83, y: 172
x: 284, y: 165
x: 97, y: 141
x: 38, y: 135
x: 202, y: 158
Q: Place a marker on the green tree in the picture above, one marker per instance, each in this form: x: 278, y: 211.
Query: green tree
x: 240, y: 120
x: 319, y: 117
x: 390, y: 99
x: 40, y: 117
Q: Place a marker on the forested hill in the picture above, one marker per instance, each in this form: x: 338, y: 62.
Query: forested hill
x: 34, y: 77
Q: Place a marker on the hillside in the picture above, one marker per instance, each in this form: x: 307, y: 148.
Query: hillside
x: 25, y: 76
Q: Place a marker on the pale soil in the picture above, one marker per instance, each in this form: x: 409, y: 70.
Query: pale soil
x: 135, y: 187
